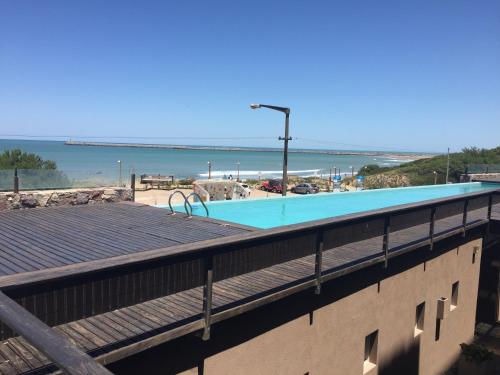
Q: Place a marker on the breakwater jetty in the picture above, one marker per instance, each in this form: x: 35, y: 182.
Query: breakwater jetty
x: 247, y: 149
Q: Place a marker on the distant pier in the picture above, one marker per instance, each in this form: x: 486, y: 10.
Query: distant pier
x: 247, y: 149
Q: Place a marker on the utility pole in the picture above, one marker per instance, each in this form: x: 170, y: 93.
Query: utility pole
x: 287, y: 138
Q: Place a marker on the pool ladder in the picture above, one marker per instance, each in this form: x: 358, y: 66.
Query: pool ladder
x: 189, y: 211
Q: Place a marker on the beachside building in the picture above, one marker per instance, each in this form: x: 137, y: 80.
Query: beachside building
x: 127, y: 288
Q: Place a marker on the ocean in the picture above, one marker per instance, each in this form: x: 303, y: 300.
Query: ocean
x: 101, y: 163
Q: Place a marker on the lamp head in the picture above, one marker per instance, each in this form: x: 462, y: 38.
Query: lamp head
x: 254, y: 106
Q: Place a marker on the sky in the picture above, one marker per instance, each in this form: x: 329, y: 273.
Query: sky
x: 402, y: 75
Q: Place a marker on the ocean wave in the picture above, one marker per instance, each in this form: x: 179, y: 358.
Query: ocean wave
x: 400, y: 160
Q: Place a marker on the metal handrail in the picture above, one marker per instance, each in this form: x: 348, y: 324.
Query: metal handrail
x: 186, y: 203
x: 199, y: 198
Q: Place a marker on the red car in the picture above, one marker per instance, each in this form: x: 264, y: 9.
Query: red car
x: 274, y: 186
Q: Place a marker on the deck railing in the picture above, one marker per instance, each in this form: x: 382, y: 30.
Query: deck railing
x: 60, y: 295
x: 56, y: 347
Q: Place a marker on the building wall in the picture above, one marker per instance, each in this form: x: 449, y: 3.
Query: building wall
x: 331, y: 340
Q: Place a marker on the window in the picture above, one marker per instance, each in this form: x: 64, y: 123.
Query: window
x: 370, y: 351
x: 419, y: 319
x: 438, y: 329
x: 475, y: 251
x: 454, y: 296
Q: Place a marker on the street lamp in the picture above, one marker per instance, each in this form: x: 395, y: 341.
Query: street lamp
x: 286, y: 111
x: 209, y: 169
x: 238, y: 176
x: 352, y: 171
x: 435, y: 177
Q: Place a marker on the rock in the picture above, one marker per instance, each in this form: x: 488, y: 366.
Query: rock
x: 15, y: 201
x: 81, y: 198
x: 29, y: 201
x: 94, y: 194
x: 5, y: 203
x: 42, y: 199
x: 10, y: 201
x: 108, y: 198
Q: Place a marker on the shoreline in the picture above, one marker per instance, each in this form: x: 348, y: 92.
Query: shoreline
x: 405, y: 156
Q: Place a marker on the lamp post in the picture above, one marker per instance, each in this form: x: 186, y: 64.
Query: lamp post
x: 209, y: 169
x: 352, y: 171
x: 238, y: 176
x: 286, y: 111
x: 435, y: 177
x: 120, y: 173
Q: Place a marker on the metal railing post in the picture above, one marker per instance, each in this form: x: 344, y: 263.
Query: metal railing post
x: 490, y: 205
x: 318, y: 263
x: 431, y: 228
x: 132, y: 186
x: 387, y: 229
x: 16, y: 182
x: 207, y: 296
x: 488, y: 214
x: 464, y: 217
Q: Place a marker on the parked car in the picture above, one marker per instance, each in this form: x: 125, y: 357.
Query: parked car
x: 274, y: 186
x: 305, y: 189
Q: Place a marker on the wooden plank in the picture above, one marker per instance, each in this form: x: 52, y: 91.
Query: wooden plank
x: 53, y: 345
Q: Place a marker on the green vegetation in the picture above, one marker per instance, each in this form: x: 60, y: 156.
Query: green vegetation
x: 16, y: 158
x: 421, y: 172
x: 33, y: 171
x: 186, y: 181
x: 476, y: 353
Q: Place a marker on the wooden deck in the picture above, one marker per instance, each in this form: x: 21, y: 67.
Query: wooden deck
x: 34, y: 240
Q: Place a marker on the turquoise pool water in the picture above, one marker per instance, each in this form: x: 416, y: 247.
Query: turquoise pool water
x: 274, y: 212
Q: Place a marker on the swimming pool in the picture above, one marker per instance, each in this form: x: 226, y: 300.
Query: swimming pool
x: 279, y: 211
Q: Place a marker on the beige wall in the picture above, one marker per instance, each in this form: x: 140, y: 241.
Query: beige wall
x: 334, y: 343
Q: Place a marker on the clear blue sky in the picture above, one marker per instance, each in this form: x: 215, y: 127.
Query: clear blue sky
x: 415, y: 75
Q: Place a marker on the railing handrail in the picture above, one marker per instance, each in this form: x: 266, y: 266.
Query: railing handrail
x: 56, y: 347
x: 172, y: 212
x: 221, y: 243
x: 195, y: 194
